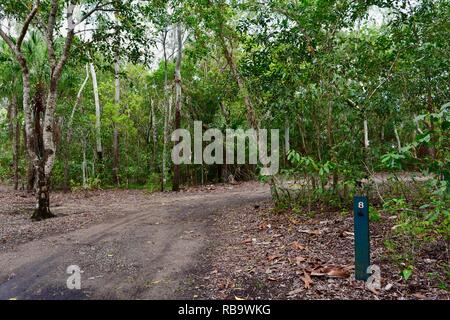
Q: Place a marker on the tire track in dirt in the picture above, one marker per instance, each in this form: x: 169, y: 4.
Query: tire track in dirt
x: 146, y: 254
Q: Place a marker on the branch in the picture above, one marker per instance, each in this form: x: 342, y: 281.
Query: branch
x: 303, y: 30
x: 26, y: 24
x: 16, y: 48
x: 8, y: 41
x: 77, y: 102
x: 385, y: 80
x: 16, y: 51
x: 69, y: 39
x: 49, y: 32
x: 353, y: 104
x: 97, y: 7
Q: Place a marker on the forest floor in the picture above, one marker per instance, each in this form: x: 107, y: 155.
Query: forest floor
x: 262, y: 253
x: 213, y: 242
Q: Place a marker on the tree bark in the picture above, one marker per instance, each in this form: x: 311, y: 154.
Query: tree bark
x: 366, y: 135
x: 42, y: 144
x: 166, y: 112
x: 154, y: 136
x: 46, y: 161
x: 116, y: 159
x: 176, y: 168
x: 84, y: 163
x: 98, y: 132
x: 303, y: 135
x: 397, y: 138
x: 16, y: 141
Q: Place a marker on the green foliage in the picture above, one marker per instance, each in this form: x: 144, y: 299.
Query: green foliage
x: 93, y: 183
x: 407, y: 273
x: 374, y: 215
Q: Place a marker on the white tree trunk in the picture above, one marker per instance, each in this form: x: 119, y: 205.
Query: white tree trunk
x: 176, y: 169
x: 77, y: 103
x: 97, y: 111
x: 287, y: 146
x: 116, y: 129
x: 167, y: 120
x: 15, y: 140
x: 397, y: 137
x: 154, y: 134
x: 416, y: 122
x: 366, y: 135
x: 166, y: 112
x: 84, y: 164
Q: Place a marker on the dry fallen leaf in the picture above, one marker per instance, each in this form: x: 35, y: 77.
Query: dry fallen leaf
x: 273, y: 257
x: 293, y: 221
x: 297, y: 246
x: 307, y: 280
x: 314, y: 232
x: 419, y: 295
x: 264, y: 226
x: 156, y: 281
x: 299, y: 259
x: 348, y: 234
x: 331, y: 271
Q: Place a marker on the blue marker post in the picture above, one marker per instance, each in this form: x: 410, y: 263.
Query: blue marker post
x: 362, y: 238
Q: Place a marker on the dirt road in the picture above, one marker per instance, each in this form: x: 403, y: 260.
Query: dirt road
x: 145, y: 247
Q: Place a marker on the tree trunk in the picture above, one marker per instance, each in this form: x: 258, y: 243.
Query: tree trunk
x: 154, y: 136
x: 167, y: 118
x: 416, y: 122
x: 84, y: 163
x: 116, y: 159
x: 116, y: 156
x: 331, y: 143
x: 29, y: 128
x: 397, y: 138
x: 287, y: 145
x: 44, y: 160
x: 16, y: 141
x: 317, y: 126
x: 176, y: 167
x: 9, y: 116
x: 46, y: 152
x: 42, y: 210
x: 239, y: 81
x: 98, y: 132
x: 70, y: 131
x: 366, y: 135
x: 303, y: 135
x: 366, y: 141
x: 166, y: 113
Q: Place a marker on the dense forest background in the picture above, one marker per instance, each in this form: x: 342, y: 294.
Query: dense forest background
x: 92, y: 90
